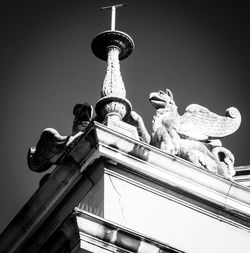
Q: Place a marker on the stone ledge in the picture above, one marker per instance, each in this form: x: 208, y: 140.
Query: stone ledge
x: 174, y: 171
x: 99, y: 233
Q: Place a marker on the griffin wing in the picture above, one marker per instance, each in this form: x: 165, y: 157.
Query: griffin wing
x: 49, y: 148
x: 201, y: 124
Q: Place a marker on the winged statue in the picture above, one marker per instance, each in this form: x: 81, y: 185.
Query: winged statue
x: 198, y: 122
x: 52, y: 146
x: 195, y: 135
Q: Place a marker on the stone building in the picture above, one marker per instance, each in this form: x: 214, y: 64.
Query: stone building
x: 114, y: 190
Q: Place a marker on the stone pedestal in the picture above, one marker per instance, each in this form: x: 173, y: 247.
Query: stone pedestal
x: 122, y: 127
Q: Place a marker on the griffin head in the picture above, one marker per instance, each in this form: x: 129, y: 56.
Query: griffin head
x: 83, y: 115
x: 161, y: 99
x: 83, y: 112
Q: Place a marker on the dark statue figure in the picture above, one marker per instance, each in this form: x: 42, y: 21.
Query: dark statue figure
x: 52, y: 146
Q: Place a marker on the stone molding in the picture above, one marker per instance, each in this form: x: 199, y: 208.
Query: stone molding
x: 96, y: 232
x: 232, y: 198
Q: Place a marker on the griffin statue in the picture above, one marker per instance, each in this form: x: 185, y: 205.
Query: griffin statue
x: 195, y: 135
x: 52, y: 146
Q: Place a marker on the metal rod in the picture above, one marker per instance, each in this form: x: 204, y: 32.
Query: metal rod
x: 113, y: 13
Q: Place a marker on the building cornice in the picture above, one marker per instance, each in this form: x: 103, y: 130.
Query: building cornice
x: 174, y: 171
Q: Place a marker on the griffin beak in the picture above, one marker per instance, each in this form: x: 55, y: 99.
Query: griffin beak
x: 156, y: 100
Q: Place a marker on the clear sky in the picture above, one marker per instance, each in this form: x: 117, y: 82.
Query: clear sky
x: 198, y: 49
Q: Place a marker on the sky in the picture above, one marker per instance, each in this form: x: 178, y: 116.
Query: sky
x: 197, y: 49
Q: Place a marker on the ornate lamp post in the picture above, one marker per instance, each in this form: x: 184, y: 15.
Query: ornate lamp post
x: 113, y: 46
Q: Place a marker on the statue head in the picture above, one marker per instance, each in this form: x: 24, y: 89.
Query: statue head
x: 83, y: 115
x: 163, y: 100
x: 83, y: 112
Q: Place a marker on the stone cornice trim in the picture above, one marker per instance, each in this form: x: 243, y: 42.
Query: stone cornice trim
x: 171, y: 170
x: 102, y: 232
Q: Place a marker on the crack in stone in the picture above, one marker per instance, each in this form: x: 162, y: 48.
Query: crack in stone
x: 120, y: 197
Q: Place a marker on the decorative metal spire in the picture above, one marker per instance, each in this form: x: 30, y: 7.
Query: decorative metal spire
x: 113, y: 13
x: 112, y: 46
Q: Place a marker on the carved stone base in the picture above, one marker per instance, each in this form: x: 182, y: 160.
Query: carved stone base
x: 122, y: 127
x: 113, y: 104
